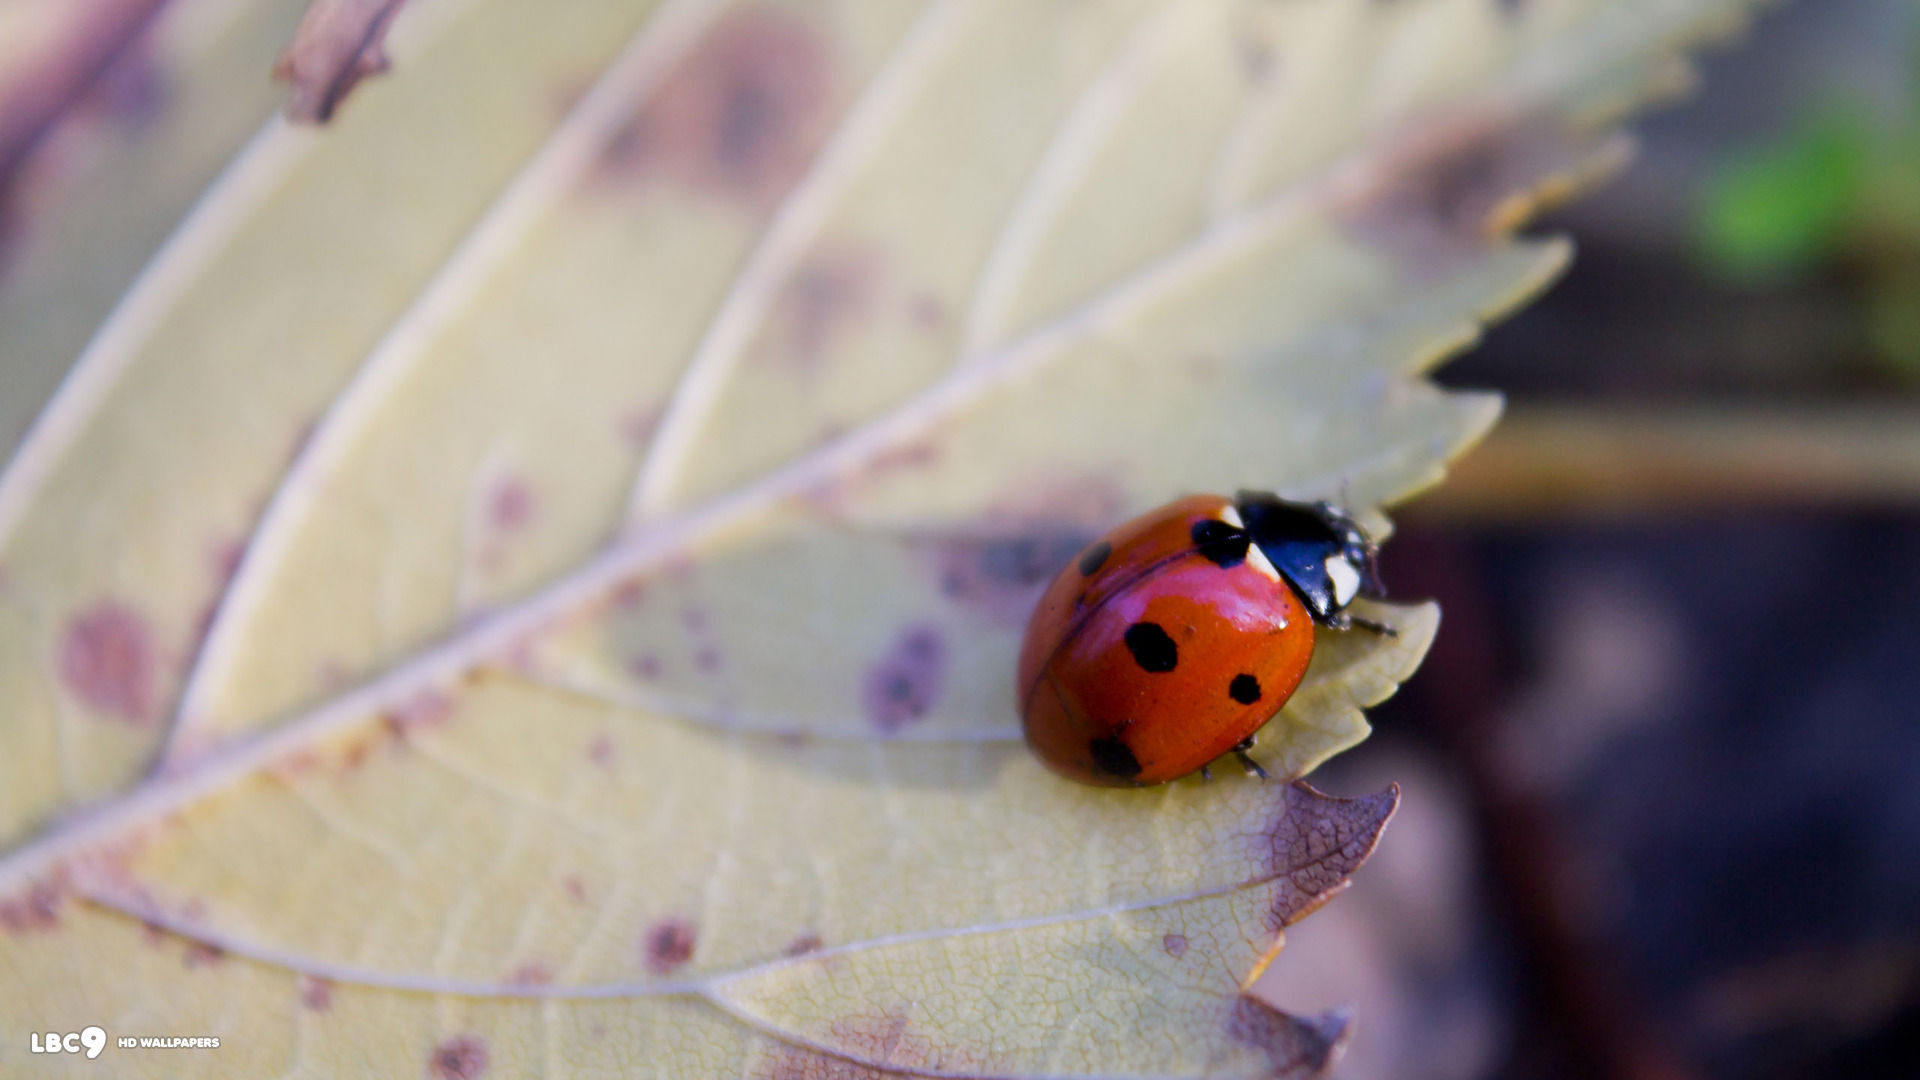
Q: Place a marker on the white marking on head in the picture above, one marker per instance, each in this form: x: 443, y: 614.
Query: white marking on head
x: 1259, y: 561
x: 1255, y: 557
x: 1346, y: 580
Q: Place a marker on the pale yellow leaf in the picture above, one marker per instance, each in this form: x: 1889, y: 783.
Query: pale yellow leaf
x: 528, y: 579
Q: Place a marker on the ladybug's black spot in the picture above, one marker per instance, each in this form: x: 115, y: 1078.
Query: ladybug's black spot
x: 1113, y: 756
x: 1095, y: 558
x: 1224, y: 545
x: 1244, y: 689
x: 1152, y: 649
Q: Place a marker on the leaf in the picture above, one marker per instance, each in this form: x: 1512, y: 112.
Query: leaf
x: 529, y: 578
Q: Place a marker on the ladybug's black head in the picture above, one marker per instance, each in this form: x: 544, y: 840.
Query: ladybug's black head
x: 1317, y: 547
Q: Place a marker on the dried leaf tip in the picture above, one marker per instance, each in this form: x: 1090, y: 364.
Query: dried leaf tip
x: 338, y: 43
x: 1296, y: 1047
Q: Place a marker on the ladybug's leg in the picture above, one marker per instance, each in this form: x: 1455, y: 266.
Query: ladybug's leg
x: 1253, y: 767
x: 1206, y: 771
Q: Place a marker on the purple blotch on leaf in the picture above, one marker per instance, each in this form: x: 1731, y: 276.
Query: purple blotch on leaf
x: 669, y: 945
x: 463, y: 1057
x: 903, y: 684
x: 108, y: 660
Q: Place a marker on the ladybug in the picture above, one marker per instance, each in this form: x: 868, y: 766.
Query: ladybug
x: 1176, y: 636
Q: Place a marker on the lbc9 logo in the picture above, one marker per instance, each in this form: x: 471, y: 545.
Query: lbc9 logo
x: 92, y: 1040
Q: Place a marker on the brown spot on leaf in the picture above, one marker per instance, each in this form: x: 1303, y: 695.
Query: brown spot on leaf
x: 395, y: 730
x: 575, y: 888
x: 887, y: 1039
x: 463, y: 1057
x: 429, y: 708
x: 902, y: 685
x: 600, y: 750
x: 1448, y: 188
x: 338, y: 43
x: 109, y: 865
x: 298, y: 763
x: 109, y: 662
x: 874, y: 1047
x: 645, y: 666
x: 668, y: 946
x: 912, y: 455
x: 35, y: 911
x: 707, y: 659
x: 1175, y: 944
x: 426, y: 709
x: 1292, y: 1045
x: 1002, y: 577
x: 316, y: 993
x: 795, y: 1063
x: 804, y: 944
x: 891, y: 1040
x: 510, y: 505
x: 201, y: 954
x: 740, y: 118
x: 825, y: 297
x: 531, y: 973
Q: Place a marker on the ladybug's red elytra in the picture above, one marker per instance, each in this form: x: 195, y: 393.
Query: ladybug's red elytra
x: 1177, y: 635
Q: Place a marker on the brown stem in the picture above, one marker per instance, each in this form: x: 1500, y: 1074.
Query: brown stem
x: 1543, y: 461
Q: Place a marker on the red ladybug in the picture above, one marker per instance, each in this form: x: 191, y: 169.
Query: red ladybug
x: 1177, y: 635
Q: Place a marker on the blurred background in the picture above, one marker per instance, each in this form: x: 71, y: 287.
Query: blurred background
x: 1662, y: 768
x: 1661, y: 816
